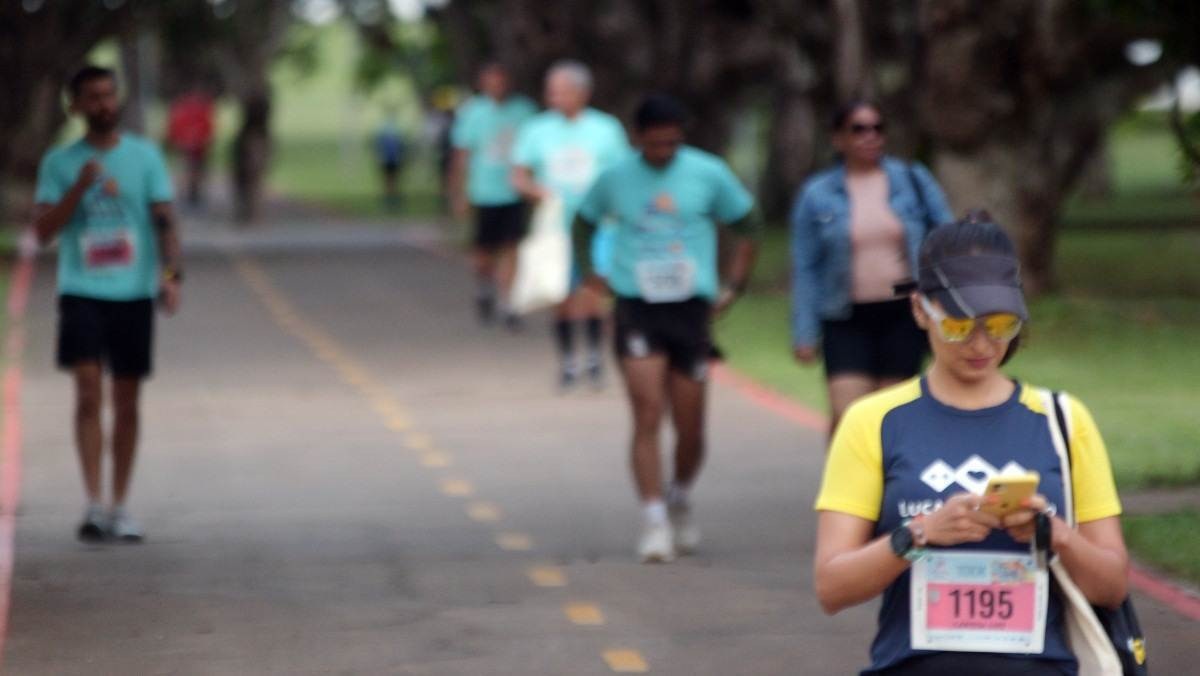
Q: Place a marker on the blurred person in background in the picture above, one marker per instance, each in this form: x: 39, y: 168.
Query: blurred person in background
x: 484, y: 129
x: 190, y: 131
x: 106, y: 200
x: 856, y: 230
x: 667, y: 203
x: 391, y: 151
x: 561, y: 151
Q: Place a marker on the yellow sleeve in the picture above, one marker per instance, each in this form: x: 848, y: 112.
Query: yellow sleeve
x: 1091, y: 473
x: 853, y: 479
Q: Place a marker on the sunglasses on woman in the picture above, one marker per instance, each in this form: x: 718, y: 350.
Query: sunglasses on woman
x: 858, y: 129
x: 1000, y: 326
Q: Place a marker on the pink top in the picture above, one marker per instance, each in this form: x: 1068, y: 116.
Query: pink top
x: 878, y: 256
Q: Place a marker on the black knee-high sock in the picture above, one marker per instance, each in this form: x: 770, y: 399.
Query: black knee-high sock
x: 564, y: 335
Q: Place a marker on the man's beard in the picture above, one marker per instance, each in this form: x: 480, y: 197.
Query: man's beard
x: 103, y: 123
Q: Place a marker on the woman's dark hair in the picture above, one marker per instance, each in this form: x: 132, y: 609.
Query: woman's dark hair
x: 975, y: 234
x: 659, y: 110
x: 844, y: 111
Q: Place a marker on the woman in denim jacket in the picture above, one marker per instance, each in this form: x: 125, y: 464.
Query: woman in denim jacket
x: 856, y: 230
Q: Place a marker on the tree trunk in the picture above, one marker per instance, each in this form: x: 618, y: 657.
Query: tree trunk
x: 852, y: 79
x: 1016, y: 99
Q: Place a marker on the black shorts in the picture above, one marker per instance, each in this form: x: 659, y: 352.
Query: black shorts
x: 681, y: 331
x: 879, y: 339
x: 119, y: 334
x: 498, y: 226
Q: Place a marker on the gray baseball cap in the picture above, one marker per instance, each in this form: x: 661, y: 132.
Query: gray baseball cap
x: 972, y: 286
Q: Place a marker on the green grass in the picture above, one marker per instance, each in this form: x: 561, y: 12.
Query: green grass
x: 323, y: 128
x: 1168, y: 540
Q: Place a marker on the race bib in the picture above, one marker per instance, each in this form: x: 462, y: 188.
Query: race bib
x: 107, y: 249
x: 978, y: 602
x: 666, y: 281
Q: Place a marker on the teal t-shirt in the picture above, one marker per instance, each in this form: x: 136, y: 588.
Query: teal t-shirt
x: 665, y: 247
x: 108, y: 249
x: 486, y: 130
x: 566, y: 155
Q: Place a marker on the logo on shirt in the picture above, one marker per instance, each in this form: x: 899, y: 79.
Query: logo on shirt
x: 663, y: 203
x: 972, y: 475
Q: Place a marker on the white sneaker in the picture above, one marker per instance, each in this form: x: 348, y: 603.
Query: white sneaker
x: 124, y: 528
x: 95, y: 524
x: 687, y: 533
x: 657, y: 544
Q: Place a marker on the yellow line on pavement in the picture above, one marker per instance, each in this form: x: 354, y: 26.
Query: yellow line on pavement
x: 625, y: 661
x: 435, y: 460
x: 586, y: 614
x: 547, y: 576
x: 457, y: 488
x: 483, y: 512
x: 514, y: 542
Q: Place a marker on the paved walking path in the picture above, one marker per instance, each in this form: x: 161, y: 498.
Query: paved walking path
x: 343, y: 474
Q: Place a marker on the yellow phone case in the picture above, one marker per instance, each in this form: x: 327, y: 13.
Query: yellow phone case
x: 1009, y: 491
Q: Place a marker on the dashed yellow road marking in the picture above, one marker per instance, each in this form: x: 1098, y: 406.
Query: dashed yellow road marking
x: 514, y: 542
x: 435, y: 459
x: 457, y: 488
x: 625, y: 661
x: 418, y: 441
x: 586, y: 614
x: 386, y: 407
x: 398, y: 423
x: 483, y: 512
x: 548, y: 576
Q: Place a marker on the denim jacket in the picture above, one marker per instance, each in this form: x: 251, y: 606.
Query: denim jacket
x: 821, y: 248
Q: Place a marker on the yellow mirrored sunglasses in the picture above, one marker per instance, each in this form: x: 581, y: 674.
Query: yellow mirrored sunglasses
x: 999, y: 326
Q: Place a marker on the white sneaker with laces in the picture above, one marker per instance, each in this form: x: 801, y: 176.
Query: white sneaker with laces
x: 124, y: 528
x: 687, y: 533
x: 657, y: 544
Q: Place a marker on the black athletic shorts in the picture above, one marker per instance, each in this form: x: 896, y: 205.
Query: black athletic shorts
x: 681, y: 331
x: 119, y: 334
x: 879, y: 339
x: 499, y: 226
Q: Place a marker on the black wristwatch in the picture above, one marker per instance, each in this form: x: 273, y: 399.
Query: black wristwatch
x: 904, y: 545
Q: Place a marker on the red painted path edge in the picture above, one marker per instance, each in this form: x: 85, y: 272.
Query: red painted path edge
x: 1149, y: 583
x: 10, y: 441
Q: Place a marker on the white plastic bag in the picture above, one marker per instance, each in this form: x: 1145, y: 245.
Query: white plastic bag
x: 543, y: 260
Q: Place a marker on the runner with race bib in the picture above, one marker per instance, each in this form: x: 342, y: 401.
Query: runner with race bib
x: 666, y: 203
x: 911, y: 504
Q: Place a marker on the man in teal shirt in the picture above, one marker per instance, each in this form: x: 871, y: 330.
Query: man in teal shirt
x: 106, y: 198
x: 667, y: 202
x: 483, y: 133
x: 561, y: 152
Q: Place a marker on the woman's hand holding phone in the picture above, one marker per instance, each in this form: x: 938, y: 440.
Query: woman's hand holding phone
x: 959, y: 520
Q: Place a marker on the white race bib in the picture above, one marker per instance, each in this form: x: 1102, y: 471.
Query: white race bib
x: 666, y: 281
x: 978, y: 602
x: 107, y: 249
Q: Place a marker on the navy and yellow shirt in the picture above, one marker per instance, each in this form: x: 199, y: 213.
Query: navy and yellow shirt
x: 901, y: 452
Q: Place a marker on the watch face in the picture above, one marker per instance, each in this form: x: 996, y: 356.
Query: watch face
x: 902, y: 540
